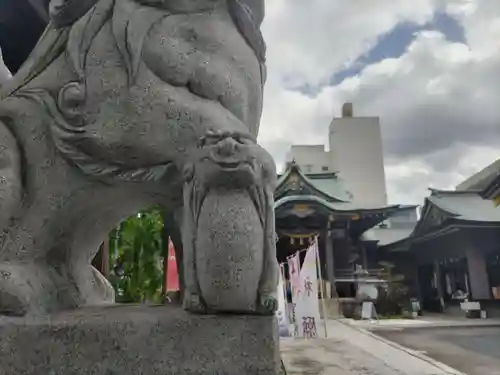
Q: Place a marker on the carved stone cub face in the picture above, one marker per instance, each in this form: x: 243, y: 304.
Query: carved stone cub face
x: 230, y: 161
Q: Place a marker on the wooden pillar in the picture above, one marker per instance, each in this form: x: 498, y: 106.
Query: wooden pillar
x: 439, y: 286
x: 330, y: 264
x: 101, y: 260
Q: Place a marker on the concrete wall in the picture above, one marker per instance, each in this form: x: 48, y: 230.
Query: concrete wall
x: 357, y: 153
x: 311, y: 158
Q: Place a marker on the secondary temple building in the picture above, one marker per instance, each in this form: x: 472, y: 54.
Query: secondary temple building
x: 454, y: 250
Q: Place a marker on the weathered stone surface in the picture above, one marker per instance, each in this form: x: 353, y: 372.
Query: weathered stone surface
x: 138, y: 340
x: 122, y: 105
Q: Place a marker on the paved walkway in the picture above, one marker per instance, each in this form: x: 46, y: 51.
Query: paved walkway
x: 473, y: 350
x: 431, y: 321
x: 351, y: 351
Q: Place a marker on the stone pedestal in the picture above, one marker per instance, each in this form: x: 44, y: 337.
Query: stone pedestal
x: 130, y: 340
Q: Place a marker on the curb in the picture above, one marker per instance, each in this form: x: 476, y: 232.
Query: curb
x: 423, y: 327
x: 437, y: 326
x: 447, y: 369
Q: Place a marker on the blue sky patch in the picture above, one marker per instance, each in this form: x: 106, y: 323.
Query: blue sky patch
x: 392, y: 45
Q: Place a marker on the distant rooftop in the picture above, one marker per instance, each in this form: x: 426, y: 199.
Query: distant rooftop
x: 480, y: 180
x: 464, y: 205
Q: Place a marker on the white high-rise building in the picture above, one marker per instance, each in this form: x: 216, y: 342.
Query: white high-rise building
x: 357, y: 154
x: 312, y: 159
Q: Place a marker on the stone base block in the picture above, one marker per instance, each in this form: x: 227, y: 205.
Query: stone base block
x: 130, y: 340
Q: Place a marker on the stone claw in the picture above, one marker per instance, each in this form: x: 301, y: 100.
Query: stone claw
x: 192, y: 303
x: 25, y: 288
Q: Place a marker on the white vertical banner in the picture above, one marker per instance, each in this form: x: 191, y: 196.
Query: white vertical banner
x: 294, y: 270
x: 281, y: 313
x: 307, y: 307
x: 321, y: 284
x: 295, y: 285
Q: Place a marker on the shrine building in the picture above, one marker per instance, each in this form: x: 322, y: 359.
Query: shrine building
x: 319, y: 204
x: 454, y: 250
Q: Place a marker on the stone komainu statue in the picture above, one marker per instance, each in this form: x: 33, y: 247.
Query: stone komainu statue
x: 124, y: 104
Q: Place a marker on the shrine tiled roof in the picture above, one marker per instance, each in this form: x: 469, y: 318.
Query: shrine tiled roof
x: 327, y: 186
x: 335, y: 187
x: 465, y: 206
x: 447, y: 211
x: 386, y: 236
x: 492, y: 190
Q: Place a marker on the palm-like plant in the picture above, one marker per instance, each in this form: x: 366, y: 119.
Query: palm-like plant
x: 136, y: 258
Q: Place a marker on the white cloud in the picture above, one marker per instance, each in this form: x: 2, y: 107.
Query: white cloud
x: 438, y: 102
x: 481, y: 22
x: 309, y: 40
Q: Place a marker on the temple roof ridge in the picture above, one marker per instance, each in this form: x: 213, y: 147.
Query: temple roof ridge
x: 334, y: 206
x: 445, y: 210
x: 326, y: 185
x: 435, y: 191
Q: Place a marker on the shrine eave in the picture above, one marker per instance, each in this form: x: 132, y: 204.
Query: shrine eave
x: 492, y: 191
x: 447, y: 212
x: 448, y: 227
x: 336, y: 208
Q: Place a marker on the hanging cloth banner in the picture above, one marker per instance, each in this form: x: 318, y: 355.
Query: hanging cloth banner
x: 307, y: 307
x: 294, y: 270
x: 294, y: 274
x: 281, y: 313
x: 172, y: 272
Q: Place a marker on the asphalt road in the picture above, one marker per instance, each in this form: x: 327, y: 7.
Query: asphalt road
x: 474, y: 351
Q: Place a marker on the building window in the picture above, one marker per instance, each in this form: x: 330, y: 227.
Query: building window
x: 308, y: 168
x: 324, y: 168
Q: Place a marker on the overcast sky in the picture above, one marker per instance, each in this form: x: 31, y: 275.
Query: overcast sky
x: 429, y: 68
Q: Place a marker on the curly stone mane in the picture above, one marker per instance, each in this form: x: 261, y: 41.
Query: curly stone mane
x: 73, y: 28
x: 75, y: 39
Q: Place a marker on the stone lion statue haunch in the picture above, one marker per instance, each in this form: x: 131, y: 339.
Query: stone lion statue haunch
x: 124, y: 104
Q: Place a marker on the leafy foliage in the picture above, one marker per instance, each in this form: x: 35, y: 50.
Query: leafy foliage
x: 394, y: 298
x: 136, y: 251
